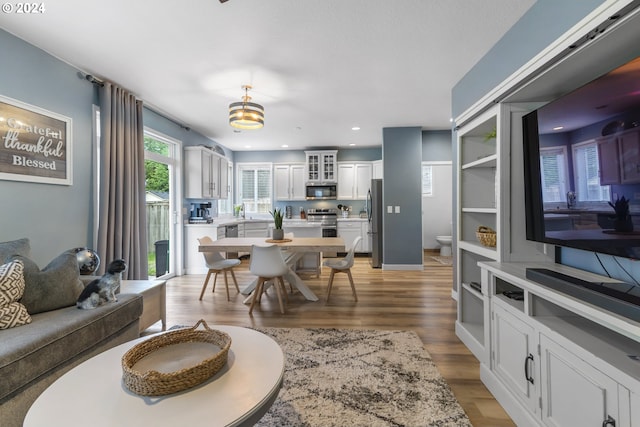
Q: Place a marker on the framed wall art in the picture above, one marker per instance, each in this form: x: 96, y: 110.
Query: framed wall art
x: 35, y: 144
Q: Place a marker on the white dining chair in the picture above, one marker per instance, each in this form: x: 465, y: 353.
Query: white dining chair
x: 268, y: 264
x: 216, y: 263
x: 343, y: 266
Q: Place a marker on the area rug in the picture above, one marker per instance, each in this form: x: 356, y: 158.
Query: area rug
x: 444, y: 260
x: 339, y: 377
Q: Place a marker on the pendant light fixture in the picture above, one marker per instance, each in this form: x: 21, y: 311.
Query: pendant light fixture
x: 245, y: 114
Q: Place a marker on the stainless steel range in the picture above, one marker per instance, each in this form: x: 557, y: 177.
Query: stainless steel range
x: 326, y: 218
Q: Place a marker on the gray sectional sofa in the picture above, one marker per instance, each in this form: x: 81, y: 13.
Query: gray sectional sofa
x: 35, y: 354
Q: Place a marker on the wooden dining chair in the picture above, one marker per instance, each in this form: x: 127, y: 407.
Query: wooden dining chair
x: 216, y: 263
x: 343, y: 266
x: 268, y: 264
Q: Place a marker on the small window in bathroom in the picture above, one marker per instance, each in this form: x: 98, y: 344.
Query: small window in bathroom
x: 427, y: 181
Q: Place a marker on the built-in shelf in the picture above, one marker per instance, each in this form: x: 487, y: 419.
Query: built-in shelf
x: 480, y: 210
x: 484, y: 162
x: 476, y: 247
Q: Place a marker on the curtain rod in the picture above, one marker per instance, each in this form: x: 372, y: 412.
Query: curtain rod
x: 93, y: 80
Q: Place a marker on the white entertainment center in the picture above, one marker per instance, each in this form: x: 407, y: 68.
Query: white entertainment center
x: 549, y: 358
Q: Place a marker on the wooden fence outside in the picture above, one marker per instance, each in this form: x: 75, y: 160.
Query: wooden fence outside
x: 158, y: 220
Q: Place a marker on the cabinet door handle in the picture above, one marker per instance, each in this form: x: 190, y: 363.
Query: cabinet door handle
x: 609, y: 422
x: 526, y: 368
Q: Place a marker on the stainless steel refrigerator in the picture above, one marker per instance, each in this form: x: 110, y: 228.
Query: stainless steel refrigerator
x: 375, y: 208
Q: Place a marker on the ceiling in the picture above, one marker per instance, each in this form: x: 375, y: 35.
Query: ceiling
x: 319, y: 68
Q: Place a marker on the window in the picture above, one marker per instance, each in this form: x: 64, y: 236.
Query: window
x: 427, y: 181
x: 254, y: 187
x: 586, y: 169
x: 553, y: 172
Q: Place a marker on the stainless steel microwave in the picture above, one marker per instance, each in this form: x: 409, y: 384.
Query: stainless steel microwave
x: 321, y: 191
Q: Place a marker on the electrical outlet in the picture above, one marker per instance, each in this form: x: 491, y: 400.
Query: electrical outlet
x: 397, y: 209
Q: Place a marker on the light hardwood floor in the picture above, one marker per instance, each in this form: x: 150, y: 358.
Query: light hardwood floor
x: 408, y: 300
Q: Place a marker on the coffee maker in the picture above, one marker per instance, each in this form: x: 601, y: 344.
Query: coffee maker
x: 200, y: 213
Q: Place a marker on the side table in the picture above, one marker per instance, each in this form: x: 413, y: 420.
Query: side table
x: 154, y: 297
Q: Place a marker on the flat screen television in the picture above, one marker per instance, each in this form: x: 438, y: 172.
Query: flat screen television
x: 581, y: 156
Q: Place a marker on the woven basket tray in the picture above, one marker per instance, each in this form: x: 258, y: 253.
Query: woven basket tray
x: 154, y: 383
x: 486, y: 236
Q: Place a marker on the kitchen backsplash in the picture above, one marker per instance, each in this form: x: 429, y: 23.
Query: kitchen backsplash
x: 356, y: 205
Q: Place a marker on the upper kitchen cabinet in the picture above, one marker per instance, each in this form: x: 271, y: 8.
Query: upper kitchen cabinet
x: 288, y: 182
x: 205, y: 174
x: 354, y: 180
x: 377, y: 169
x: 619, y: 158
x: 321, y: 165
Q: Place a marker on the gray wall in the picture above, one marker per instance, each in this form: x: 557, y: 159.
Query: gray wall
x: 402, y: 186
x: 437, y: 146
x: 53, y: 217
x: 57, y: 217
x: 542, y: 24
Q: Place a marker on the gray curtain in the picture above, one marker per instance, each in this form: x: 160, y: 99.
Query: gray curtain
x: 122, y: 228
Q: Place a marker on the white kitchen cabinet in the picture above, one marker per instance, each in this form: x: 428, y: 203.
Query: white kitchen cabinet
x: 376, y: 171
x: 255, y: 229
x: 288, y: 181
x: 354, y: 180
x: 194, y: 260
x: 349, y: 230
x: 205, y: 174
x: 224, y: 187
x: 321, y: 165
x: 309, y: 262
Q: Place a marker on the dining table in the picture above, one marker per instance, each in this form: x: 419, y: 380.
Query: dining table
x: 294, y: 246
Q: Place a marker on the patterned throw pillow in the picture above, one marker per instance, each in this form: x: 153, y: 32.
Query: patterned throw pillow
x: 12, y: 313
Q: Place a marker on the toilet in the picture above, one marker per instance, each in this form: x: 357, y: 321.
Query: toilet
x: 445, y: 245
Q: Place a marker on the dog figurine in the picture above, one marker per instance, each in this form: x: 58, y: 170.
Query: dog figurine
x: 103, y: 290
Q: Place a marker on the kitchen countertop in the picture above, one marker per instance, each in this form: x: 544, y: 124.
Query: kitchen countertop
x: 291, y: 222
x: 352, y: 218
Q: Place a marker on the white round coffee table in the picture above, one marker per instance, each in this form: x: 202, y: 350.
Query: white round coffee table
x: 93, y: 393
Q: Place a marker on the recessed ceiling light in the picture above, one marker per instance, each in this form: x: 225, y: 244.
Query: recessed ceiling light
x: 352, y: 144
x: 247, y: 146
x: 285, y: 146
x: 355, y: 128
x: 558, y: 128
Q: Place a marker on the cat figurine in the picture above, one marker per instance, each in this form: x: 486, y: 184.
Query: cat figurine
x: 103, y: 290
